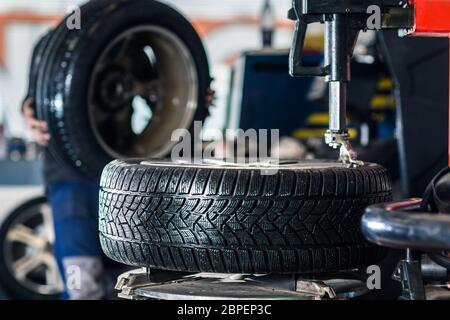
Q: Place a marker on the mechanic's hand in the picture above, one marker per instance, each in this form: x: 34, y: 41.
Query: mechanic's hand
x: 38, y: 128
x: 210, y: 97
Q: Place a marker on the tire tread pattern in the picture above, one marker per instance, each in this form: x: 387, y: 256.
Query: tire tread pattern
x: 238, y: 221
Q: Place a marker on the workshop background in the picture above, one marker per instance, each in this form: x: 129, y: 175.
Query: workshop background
x: 227, y: 29
x: 247, y: 45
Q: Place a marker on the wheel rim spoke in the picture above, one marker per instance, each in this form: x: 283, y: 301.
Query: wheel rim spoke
x: 29, y: 251
x: 121, y: 54
x: 52, y: 276
x: 47, y: 217
x: 23, y: 234
x: 26, y: 264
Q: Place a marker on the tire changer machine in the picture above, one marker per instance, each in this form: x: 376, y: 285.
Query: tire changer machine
x: 418, y: 227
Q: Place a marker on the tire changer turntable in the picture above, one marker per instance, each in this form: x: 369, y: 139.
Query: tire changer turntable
x: 417, y: 226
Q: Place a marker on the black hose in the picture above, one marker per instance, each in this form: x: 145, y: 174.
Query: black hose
x: 433, y: 200
x: 440, y: 259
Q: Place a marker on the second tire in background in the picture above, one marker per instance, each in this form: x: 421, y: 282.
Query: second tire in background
x: 119, y: 86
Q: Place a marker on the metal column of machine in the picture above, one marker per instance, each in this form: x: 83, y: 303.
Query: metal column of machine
x: 343, y: 21
x: 338, y: 59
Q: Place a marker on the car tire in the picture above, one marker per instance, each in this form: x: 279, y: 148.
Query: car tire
x: 86, y: 84
x: 36, y: 64
x: 25, y: 234
x: 304, y: 218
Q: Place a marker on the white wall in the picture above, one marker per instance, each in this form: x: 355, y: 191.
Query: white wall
x: 13, y: 78
x: 37, y: 5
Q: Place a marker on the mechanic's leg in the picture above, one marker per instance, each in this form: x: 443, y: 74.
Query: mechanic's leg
x: 77, y: 248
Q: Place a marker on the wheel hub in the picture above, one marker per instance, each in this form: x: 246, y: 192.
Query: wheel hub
x: 152, y: 65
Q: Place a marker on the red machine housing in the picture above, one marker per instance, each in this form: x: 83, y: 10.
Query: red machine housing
x: 431, y: 18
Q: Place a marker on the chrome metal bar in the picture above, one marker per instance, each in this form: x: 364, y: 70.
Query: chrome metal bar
x: 399, y: 225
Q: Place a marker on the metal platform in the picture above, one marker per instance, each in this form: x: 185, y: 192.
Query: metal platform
x: 141, y: 284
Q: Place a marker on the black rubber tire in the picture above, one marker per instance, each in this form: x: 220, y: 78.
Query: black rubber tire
x: 69, y: 59
x: 210, y: 218
x: 12, y: 287
x: 36, y: 64
x: 441, y: 259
